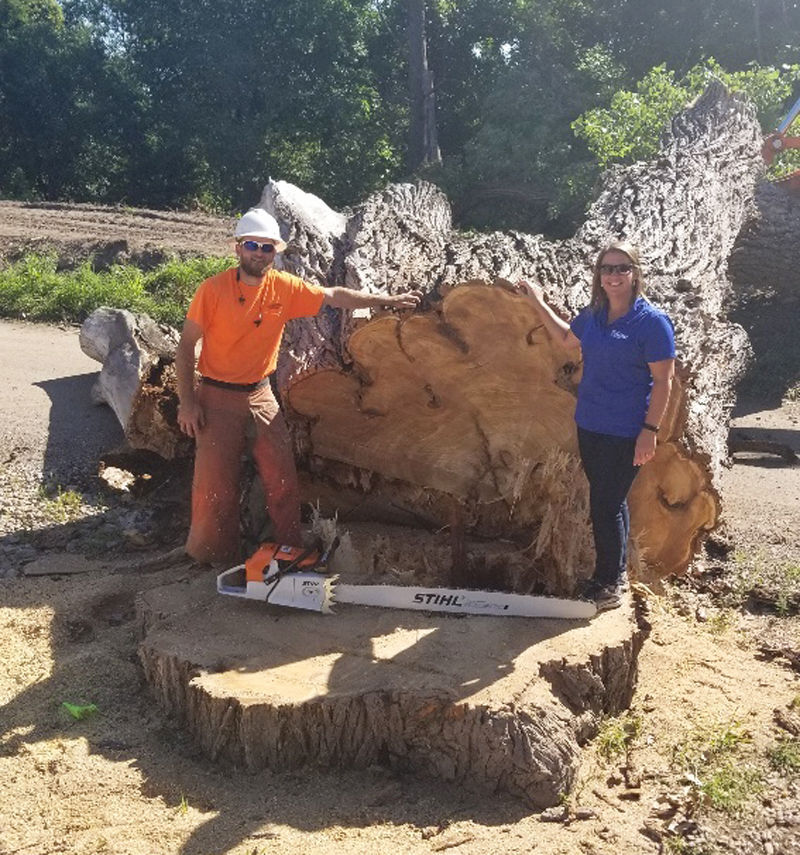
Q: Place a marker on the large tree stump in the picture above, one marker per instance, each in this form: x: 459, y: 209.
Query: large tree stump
x: 495, y: 704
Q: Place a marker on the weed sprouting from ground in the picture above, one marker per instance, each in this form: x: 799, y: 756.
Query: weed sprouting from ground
x: 784, y: 756
x: 721, y: 621
x: 63, y: 506
x: 711, y: 760
x: 776, y: 582
x: 730, y: 785
x: 616, y: 735
x: 680, y: 846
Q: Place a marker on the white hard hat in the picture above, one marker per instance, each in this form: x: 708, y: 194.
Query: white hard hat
x: 257, y: 223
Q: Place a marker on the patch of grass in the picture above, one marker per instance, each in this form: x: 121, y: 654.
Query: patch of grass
x: 784, y: 756
x: 710, y: 758
x: 778, y: 581
x: 730, y: 785
x: 64, y: 506
x: 616, y: 735
x: 34, y: 289
x: 720, y: 622
x: 681, y: 846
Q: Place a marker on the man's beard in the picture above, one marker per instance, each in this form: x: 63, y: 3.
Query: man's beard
x: 252, y: 266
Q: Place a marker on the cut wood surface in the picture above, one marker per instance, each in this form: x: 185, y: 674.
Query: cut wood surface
x: 463, y: 401
x: 492, y: 703
x: 469, y: 398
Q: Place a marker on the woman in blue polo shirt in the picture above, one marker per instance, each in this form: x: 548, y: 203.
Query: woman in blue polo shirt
x: 628, y: 351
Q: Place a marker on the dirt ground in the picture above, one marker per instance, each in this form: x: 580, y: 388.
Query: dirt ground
x: 719, y: 671
x: 109, y: 234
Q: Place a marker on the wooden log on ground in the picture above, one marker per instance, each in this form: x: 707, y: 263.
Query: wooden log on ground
x: 468, y: 398
x: 137, y: 379
x: 764, y: 268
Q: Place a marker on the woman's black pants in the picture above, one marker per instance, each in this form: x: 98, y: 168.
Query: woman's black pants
x: 608, y: 463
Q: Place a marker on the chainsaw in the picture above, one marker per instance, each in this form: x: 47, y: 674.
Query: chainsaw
x: 299, y: 578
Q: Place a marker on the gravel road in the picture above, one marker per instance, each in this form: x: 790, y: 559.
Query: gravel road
x: 48, y: 422
x: 51, y: 439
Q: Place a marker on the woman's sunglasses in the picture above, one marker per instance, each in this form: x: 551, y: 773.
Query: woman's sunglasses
x: 605, y: 269
x: 253, y: 245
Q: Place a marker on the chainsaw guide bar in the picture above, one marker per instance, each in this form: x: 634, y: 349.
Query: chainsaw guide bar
x: 296, y: 587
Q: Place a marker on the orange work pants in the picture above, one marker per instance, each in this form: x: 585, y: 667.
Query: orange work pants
x: 214, y: 533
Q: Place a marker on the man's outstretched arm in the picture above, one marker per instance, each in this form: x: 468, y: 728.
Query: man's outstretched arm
x: 347, y: 298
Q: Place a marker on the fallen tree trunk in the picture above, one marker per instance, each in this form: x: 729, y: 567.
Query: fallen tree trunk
x: 466, y: 400
x: 138, y: 377
x: 764, y: 267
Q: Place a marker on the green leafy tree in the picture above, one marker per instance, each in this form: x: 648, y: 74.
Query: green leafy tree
x: 67, y: 112
x: 239, y: 91
x: 517, y: 165
x: 630, y: 127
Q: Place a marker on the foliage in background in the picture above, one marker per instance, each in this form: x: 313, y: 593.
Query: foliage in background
x: 33, y: 289
x: 630, y: 127
x: 163, y: 103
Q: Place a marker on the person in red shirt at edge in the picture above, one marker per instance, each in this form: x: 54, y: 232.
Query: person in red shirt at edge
x: 239, y: 316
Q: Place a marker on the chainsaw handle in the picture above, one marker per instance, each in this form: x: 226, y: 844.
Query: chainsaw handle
x: 327, y: 555
x: 232, y: 590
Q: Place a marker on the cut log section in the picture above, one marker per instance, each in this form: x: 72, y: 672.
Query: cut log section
x: 468, y: 398
x: 464, y: 400
x: 138, y: 378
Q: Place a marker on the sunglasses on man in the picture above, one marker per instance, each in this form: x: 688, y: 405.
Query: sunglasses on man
x: 606, y: 269
x: 253, y: 245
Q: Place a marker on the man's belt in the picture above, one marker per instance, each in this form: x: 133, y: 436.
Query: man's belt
x: 235, y: 387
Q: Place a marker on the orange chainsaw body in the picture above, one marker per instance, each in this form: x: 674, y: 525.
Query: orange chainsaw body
x: 261, y: 560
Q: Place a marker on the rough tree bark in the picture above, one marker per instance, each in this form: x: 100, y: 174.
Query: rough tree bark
x: 468, y: 398
x: 765, y: 270
x: 423, y: 145
x: 767, y: 253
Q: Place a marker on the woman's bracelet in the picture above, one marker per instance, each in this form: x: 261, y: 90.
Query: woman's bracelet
x: 653, y: 428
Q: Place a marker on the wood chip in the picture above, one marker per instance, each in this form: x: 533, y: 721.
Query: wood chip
x: 453, y: 842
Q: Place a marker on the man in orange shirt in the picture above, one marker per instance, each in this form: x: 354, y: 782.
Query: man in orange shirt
x: 239, y: 316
